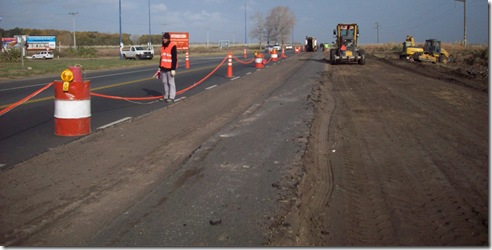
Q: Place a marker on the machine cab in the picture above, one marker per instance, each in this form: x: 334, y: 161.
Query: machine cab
x: 432, y: 46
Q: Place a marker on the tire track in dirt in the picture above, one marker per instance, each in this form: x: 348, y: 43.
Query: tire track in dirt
x: 318, y: 185
x: 408, y: 162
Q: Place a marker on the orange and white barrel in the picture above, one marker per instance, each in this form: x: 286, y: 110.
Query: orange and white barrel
x: 259, y: 60
x: 72, y: 109
x: 274, y: 56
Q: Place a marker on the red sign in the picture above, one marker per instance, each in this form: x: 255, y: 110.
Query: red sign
x: 182, y: 39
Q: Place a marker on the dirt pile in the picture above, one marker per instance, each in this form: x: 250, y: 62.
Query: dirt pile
x: 467, y: 66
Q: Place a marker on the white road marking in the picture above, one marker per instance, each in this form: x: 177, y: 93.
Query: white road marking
x: 211, y: 87
x: 114, y: 123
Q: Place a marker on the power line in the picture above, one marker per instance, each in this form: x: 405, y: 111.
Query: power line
x: 413, y: 18
x: 433, y: 17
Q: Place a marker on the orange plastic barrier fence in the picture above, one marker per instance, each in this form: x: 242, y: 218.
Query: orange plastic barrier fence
x: 25, y: 99
x: 2, y: 112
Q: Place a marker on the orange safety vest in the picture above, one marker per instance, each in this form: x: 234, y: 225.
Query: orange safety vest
x: 166, y: 57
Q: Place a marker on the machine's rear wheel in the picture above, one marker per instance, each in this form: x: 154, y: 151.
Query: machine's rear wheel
x: 332, y: 57
x: 362, y: 60
x: 443, y: 59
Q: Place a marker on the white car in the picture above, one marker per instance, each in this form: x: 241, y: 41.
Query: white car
x: 270, y: 48
x: 43, y: 55
x: 289, y: 46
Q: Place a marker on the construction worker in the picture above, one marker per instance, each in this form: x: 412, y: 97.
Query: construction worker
x: 168, y: 64
x: 343, y: 48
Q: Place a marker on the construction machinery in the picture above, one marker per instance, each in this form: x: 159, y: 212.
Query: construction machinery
x: 346, y: 50
x: 433, y: 52
x: 409, y: 48
x: 311, y: 43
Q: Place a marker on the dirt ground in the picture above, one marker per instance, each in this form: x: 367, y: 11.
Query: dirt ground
x: 397, y: 155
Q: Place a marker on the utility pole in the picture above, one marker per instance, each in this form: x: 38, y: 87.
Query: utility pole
x: 464, y: 20
x: 245, y: 30
x: 73, y: 20
x: 121, y: 39
x: 377, y: 28
x: 150, y: 36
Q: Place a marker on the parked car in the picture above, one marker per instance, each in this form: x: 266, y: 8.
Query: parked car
x: 43, y: 55
x: 137, y: 53
x: 270, y: 48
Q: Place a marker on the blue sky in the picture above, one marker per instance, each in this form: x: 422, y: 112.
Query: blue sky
x: 225, y: 19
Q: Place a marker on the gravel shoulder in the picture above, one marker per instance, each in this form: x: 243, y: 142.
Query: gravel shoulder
x: 395, y: 158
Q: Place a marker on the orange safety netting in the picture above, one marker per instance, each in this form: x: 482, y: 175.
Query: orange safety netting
x: 243, y: 62
x: 25, y: 99
x: 2, y: 112
x: 157, y: 97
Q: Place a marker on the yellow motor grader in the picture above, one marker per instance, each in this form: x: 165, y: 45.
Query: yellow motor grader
x: 346, y: 49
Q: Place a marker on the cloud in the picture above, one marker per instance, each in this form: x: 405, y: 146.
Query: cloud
x: 158, y: 8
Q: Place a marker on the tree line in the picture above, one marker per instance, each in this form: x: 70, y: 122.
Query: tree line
x: 84, y: 38
x: 276, y: 27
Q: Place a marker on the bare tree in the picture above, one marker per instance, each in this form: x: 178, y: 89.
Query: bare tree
x: 135, y: 39
x: 258, y: 30
x: 279, y: 24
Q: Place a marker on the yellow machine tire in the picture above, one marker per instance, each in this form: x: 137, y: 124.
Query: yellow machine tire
x: 362, y: 60
x: 443, y: 59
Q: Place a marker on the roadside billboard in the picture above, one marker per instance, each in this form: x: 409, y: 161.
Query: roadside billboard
x: 8, y: 42
x: 181, y: 39
x: 41, y: 42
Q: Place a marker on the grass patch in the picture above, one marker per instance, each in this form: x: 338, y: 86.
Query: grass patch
x: 13, y: 70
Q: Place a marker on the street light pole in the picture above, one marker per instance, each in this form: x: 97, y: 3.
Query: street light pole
x: 245, y: 27
x: 121, y: 39
x: 73, y: 20
x: 150, y: 37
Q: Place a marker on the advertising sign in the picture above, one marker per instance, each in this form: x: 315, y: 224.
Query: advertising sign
x: 41, y: 42
x: 181, y: 39
x: 8, y: 42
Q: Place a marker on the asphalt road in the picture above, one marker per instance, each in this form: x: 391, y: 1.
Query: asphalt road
x: 28, y: 130
x: 226, y: 152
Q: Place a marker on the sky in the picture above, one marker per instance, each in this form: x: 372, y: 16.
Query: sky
x: 225, y: 19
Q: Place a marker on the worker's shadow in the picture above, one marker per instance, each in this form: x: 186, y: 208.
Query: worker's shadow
x: 151, y: 92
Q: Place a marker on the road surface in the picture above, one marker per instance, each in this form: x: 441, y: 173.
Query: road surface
x: 33, y: 122
x: 302, y: 153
